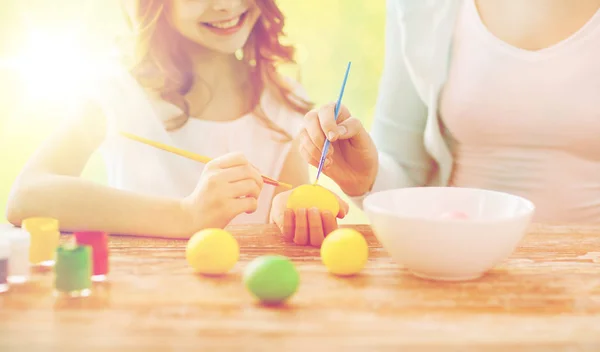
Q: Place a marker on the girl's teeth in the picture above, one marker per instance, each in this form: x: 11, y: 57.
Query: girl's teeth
x: 225, y: 24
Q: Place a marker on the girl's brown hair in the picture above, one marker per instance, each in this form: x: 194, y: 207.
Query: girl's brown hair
x: 161, y: 65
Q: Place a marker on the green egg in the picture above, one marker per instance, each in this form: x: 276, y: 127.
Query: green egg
x: 271, y: 278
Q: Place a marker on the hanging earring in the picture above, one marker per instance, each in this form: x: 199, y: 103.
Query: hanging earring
x: 239, y: 54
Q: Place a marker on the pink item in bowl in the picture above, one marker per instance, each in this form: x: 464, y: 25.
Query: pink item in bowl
x: 456, y: 215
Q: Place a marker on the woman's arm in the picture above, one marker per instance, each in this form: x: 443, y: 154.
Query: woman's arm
x: 50, y: 185
x: 400, y: 117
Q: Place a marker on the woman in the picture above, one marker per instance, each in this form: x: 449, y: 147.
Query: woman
x: 494, y: 94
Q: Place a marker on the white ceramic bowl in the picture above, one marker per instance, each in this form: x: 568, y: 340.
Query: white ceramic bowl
x: 411, y: 226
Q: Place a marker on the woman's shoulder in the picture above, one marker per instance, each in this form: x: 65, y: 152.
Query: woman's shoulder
x: 423, y: 7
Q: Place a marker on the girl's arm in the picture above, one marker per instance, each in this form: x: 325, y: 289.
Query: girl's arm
x: 50, y: 186
x: 294, y: 170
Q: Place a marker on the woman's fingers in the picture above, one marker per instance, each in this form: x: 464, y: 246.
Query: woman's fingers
x: 327, y: 121
x: 313, y: 130
x: 310, y: 156
x: 350, y: 128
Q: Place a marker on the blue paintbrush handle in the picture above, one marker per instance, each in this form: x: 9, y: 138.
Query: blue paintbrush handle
x: 336, y: 113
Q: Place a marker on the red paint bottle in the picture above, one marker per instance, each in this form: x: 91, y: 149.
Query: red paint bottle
x: 98, y: 241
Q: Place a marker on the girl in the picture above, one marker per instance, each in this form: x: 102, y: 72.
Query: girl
x: 186, y: 88
x: 494, y: 94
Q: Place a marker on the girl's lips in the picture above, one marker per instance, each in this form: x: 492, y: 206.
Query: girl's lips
x: 226, y: 27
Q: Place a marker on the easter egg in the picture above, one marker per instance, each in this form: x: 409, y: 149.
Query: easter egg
x: 272, y: 278
x: 212, y: 251
x: 313, y: 196
x: 344, y: 252
x: 455, y: 215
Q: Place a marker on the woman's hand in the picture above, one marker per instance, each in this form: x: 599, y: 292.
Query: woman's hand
x: 352, y: 160
x: 304, y: 226
x: 229, y: 186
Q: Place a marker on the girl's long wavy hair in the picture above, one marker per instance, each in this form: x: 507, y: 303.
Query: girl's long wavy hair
x: 160, y: 64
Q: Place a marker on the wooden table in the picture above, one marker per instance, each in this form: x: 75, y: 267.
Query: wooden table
x: 545, y: 297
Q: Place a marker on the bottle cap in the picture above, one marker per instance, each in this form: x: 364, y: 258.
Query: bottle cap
x: 19, y: 237
x: 44, y: 238
x: 40, y: 224
x: 98, y: 242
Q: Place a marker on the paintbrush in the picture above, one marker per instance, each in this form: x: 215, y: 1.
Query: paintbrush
x: 336, y: 112
x: 192, y: 156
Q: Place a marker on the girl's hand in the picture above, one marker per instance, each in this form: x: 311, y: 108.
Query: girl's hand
x: 229, y: 186
x: 304, y: 226
x: 352, y: 159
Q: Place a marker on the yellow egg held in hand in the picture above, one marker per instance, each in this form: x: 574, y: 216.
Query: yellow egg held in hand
x: 313, y: 196
x: 212, y: 252
x: 344, y: 252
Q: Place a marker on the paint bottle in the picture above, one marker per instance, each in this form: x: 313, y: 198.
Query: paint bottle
x: 73, y: 271
x: 98, y: 241
x: 4, y: 255
x: 44, y: 238
x: 18, y: 263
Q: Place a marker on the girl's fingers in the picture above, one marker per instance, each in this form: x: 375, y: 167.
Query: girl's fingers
x: 244, y: 188
x: 315, y: 227
x: 307, y: 227
x: 288, y: 225
x: 329, y: 223
x: 301, y: 228
x: 344, y: 208
x: 238, y: 173
x: 242, y: 173
x: 257, y: 176
x: 246, y: 205
x: 229, y: 160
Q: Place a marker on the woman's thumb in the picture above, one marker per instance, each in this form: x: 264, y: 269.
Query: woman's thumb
x: 350, y: 128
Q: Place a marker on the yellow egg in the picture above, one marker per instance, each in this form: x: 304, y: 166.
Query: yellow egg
x: 313, y: 196
x: 344, y: 252
x: 212, y: 252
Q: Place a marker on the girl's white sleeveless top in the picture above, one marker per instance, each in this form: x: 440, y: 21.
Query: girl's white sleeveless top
x: 134, y: 166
